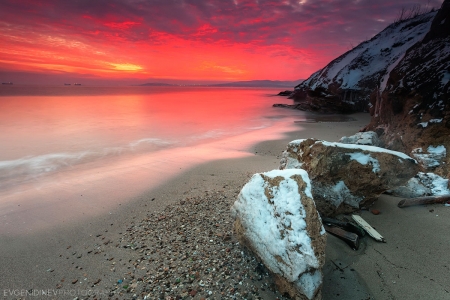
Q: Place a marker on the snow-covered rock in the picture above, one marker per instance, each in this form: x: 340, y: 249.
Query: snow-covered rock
x: 276, y: 218
x: 369, y: 138
x: 432, y: 158
x: 346, y: 177
x: 423, y: 184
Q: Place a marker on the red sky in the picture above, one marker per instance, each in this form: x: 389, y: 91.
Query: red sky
x: 191, y: 40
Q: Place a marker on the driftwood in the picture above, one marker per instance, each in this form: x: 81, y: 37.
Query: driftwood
x: 350, y: 238
x: 347, y: 226
x: 369, y: 229
x: 424, y: 200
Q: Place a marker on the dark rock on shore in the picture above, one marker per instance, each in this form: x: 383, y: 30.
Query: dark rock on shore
x: 285, y: 93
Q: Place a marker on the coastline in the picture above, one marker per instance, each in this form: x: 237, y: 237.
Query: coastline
x: 40, y: 260
x: 95, y: 254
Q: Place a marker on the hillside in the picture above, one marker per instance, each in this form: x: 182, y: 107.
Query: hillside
x: 412, y: 114
x: 345, y: 84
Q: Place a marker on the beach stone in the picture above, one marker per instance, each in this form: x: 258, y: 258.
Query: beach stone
x: 347, y: 177
x: 375, y: 211
x: 276, y: 219
x: 369, y: 138
x: 421, y: 185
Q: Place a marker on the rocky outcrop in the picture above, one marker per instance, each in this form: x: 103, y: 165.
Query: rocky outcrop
x: 285, y: 93
x: 346, y: 84
x: 413, y: 111
x: 276, y: 218
x: 346, y: 177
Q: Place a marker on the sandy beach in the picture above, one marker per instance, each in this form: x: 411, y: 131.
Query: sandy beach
x: 175, y: 241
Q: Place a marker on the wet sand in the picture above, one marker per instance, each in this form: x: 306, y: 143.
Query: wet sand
x: 126, y: 253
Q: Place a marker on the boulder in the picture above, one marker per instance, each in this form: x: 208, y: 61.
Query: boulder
x: 276, y: 219
x: 432, y: 157
x: 347, y: 177
x: 422, y: 185
x: 369, y: 138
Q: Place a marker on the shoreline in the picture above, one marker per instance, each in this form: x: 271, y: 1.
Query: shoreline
x: 42, y: 259
x: 93, y: 257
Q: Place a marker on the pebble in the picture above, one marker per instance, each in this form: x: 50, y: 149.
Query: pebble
x: 186, y: 250
x: 375, y: 211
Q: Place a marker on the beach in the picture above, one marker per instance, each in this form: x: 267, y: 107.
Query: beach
x: 176, y: 240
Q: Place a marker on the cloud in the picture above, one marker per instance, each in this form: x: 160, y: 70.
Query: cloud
x: 207, y: 65
x: 137, y: 31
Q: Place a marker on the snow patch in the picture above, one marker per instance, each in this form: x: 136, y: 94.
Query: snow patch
x: 432, y: 158
x: 366, y: 148
x: 362, y: 138
x: 364, y: 159
x: 391, y: 67
x: 435, y: 120
x: 439, y: 151
x: 423, y: 184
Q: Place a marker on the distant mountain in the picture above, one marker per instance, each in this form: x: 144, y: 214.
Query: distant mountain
x: 347, y: 82
x: 155, y: 84
x: 261, y: 83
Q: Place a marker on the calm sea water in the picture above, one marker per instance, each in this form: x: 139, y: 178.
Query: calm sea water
x: 59, y: 141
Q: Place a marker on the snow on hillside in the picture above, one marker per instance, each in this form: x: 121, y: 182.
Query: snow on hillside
x: 368, y: 65
x: 434, y: 67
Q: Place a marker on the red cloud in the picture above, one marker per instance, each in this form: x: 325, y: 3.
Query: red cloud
x: 264, y: 39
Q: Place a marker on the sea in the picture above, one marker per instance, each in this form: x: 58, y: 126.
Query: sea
x: 67, y: 151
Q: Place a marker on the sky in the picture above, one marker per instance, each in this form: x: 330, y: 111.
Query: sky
x: 183, y: 41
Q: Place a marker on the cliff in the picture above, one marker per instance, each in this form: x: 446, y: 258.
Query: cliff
x: 346, y: 83
x: 413, y: 112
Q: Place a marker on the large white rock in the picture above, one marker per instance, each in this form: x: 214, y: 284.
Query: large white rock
x: 276, y: 218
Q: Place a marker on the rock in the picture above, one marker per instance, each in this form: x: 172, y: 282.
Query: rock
x: 421, y: 185
x: 432, y: 158
x: 285, y: 93
x: 369, y: 138
x: 276, y: 218
x: 375, y: 211
x: 346, y: 177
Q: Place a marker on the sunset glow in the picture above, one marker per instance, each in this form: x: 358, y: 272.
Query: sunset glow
x: 191, y: 40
